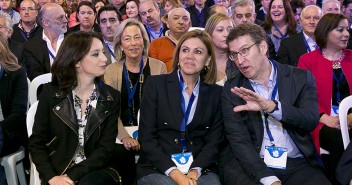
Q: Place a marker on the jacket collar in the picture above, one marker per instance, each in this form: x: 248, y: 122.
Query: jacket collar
x: 65, y: 109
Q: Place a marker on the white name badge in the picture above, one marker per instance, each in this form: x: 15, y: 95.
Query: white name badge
x: 183, y: 161
x: 334, y: 110
x: 275, y: 157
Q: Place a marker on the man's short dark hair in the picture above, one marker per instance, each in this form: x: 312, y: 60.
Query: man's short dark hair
x: 256, y: 33
x: 109, y: 7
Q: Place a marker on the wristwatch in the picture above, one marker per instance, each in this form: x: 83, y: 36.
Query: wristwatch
x: 276, y: 106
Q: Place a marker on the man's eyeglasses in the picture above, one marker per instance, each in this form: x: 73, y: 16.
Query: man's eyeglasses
x: 244, y: 52
x: 28, y: 9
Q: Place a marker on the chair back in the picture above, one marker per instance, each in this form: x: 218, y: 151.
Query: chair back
x: 345, y: 105
x: 36, y: 82
x: 34, y: 175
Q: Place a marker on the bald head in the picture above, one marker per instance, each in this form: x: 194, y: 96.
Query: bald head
x: 52, y: 17
x: 217, y: 9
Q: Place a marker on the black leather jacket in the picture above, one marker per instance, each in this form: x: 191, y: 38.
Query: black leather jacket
x: 55, y: 133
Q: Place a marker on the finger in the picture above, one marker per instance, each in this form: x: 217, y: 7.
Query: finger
x: 240, y: 108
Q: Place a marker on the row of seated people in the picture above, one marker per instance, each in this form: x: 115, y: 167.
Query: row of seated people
x: 38, y: 61
x: 189, y: 141
x: 146, y: 40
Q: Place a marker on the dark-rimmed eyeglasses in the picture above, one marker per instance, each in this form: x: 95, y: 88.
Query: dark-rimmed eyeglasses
x: 244, y: 52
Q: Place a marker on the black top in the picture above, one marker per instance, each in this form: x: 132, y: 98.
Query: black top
x: 136, y: 98
x: 343, y: 87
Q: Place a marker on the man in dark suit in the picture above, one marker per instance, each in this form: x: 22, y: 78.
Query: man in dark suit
x: 199, y: 12
x: 40, y: 51
x: 293, y: 47
x: 109, y: 19
x: 268, y: 112
x: 27, y: 28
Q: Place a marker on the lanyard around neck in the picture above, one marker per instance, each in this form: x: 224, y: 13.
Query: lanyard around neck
x: 266, y: 115
x: 131, y: 90
x: 186, y: 112
x: 278, y: 30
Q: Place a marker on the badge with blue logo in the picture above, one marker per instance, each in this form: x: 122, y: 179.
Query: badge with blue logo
x: 275, y: 157
x: 183, y: 161
x: 334, y: 110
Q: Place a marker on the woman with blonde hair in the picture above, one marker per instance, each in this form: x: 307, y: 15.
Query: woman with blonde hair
x: 168, y: 6
x: 128, y: 76
x: 218, y: 27
x: 13, y: 100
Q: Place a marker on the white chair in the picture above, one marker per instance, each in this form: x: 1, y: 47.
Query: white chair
x: 13, y: 166
x: 196, y: 28
x: 36, y: 82
x: 34, y: 175
x: 345, y: 105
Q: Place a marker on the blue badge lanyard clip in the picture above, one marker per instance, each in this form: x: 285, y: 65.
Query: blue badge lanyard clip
x: 185, y: 113
x: 131, y: 90
x: 266, y: 115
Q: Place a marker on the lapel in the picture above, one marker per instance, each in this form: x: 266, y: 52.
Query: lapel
x: 65, y: 110
x: 174, y: 96
x: 202, y: 105
x: 101, y: 112
x: 284, y: 84
x: 45, y: 58
x: 107, y: 53
x: 254, y: 118
x: 301, y: 46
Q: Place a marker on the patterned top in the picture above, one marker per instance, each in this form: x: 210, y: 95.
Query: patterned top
x: 82, y: 122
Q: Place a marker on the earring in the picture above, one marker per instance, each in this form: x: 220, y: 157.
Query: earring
x: 206, y: 68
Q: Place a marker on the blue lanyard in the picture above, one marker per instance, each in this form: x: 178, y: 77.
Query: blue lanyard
x: 185, y: 113
x: 278, y: 30
x: 110, y: 51
x: 338, y: 80
x: 171, y: 41
x: 266, y: 115
x: 51, y: 54
x: 307, y: 46
x: 131, y: 92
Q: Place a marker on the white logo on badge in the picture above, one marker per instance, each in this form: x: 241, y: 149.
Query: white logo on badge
x: 276, y: 153
x: 183, y: 160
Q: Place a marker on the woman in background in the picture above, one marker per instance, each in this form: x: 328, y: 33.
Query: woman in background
x: 85, y: 15
x: 280, y: 22
x: 331, y: 66
x: 218, y: 27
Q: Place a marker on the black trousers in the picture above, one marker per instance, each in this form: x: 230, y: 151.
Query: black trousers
x: 124, y: 162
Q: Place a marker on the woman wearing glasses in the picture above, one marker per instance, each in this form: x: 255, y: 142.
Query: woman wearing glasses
x: 181, y: 125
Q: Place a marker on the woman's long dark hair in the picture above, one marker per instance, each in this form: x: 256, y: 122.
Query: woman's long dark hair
x: 72, y: 50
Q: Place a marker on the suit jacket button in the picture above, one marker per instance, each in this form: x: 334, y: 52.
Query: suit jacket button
x: 176, y: 141
x: 191, y: 142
